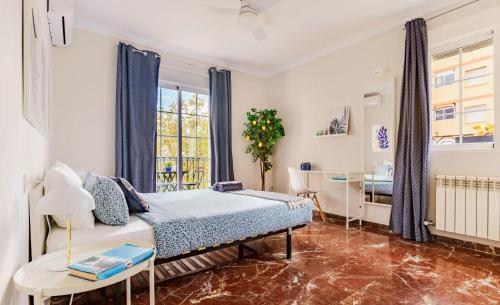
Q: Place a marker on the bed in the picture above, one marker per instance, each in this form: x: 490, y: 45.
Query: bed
x: 136, y: 229
x: 183, y: 224
x: 378, y: 185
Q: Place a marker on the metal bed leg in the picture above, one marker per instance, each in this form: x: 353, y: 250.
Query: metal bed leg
x: 289, y: 244
x: 241, y: 251
x: 117, y: 289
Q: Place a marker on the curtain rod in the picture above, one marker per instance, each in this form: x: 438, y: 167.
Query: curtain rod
x: 449, y: 11
x: 170, y: 67
x: 452, y: 10
x: 182, y: 62
x: 145, y: 52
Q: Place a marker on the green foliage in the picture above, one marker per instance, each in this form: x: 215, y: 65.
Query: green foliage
x: 195, y: 142
x: 262, y: 131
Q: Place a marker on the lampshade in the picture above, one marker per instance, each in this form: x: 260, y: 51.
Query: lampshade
x: 66, y: 200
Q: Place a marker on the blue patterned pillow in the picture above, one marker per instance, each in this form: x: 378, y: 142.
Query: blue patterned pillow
x: 110, y: 204
x: 135, y: 202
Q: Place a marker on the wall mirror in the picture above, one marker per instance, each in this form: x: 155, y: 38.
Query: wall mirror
x: 379, y: 140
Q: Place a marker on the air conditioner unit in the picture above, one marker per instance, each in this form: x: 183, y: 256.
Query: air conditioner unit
x: 61, y: 16
x: 373, y: 100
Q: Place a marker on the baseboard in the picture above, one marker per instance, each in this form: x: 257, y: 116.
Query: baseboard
x: 467, y: 244
x: 444, y: 240
x: 341, y: 219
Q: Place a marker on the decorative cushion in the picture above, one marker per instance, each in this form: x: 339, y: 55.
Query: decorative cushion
x: 62, y: 175
x: 110, y: 204
x: 135, y: 201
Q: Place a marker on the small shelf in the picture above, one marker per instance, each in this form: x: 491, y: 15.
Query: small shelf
x: 331, y: 135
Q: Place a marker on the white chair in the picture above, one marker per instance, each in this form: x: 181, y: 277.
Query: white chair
x: 299, y: 187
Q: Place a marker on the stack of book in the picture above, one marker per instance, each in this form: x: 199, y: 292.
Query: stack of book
x: 111, y: 262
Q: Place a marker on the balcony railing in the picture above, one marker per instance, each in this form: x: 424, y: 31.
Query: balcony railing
x: 453, y: 139
x: 194, y: 174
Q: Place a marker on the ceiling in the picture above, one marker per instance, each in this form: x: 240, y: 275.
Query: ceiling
x: 297, y: 30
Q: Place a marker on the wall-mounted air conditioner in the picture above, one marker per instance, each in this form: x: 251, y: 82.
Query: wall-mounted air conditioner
x: 372, y: 99
x: 60, y: 14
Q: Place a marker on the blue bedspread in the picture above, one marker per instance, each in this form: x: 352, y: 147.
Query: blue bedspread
x: 187, y: 220
x: 383, y: 188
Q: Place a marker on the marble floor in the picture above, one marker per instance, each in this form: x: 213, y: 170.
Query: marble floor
x: 332, y: 266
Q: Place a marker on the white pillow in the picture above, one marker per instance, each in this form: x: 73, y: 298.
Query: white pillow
x: 82, y: 174
x: 62, y: 175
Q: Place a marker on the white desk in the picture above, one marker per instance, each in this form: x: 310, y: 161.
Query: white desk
x: 346, y: 178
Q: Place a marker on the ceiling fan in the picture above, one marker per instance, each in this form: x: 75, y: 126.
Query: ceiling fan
x: 248, y: 15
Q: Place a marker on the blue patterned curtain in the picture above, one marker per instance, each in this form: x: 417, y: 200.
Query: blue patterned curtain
x: 221, y: 163
x: 410, y: 198
x: 136, y: 98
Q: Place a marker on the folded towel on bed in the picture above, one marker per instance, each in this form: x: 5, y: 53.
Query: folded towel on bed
x: 228, y: 186
x: 292, y: 201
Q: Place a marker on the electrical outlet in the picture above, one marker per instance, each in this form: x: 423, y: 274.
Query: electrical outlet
x: 379, y: 73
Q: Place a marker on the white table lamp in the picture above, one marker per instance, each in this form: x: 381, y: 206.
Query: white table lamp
x: 67, y: 201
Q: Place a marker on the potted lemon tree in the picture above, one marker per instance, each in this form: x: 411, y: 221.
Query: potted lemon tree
x: 262, y: 130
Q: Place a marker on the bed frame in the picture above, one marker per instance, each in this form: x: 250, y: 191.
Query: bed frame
x: 38, y: 223
x: 39, y: 231
x: 241, y: 246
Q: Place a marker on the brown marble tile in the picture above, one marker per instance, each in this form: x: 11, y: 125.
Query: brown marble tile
x: 332, y: 266
x: 384, y: 229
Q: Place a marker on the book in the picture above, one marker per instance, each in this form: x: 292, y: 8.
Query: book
x: 111, y: 262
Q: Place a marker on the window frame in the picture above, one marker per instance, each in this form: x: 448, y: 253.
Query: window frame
x: 444, y: 114
x: 443, y: 75
x: 455, y: 43
x: 191, y: 89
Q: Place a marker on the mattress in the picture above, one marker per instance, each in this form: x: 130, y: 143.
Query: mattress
x: 383, y: 188
x: 378, y: 178
x: 189, y: 220
x: 136, y: 229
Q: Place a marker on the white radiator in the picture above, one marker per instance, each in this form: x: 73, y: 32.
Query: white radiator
x: 468, y: 205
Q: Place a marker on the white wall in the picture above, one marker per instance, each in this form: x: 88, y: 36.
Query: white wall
x: 83, y: 103
x: 83, y: 106
x: 23, y: 150
x: 248, y: 92
x: 306, y: 95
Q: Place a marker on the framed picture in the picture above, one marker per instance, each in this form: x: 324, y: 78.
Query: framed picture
x: 380, y: 138
x: 36, y: 64
x: 339, y: 123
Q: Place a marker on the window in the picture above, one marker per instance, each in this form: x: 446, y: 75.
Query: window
x: 462, y: 93
x: 474, y: 76
x: 444, y: 78
x: 475, y: 114
x: 444, y: 113
x: 182, y: 140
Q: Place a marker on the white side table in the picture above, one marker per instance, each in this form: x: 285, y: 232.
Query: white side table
x: 35, y: 278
